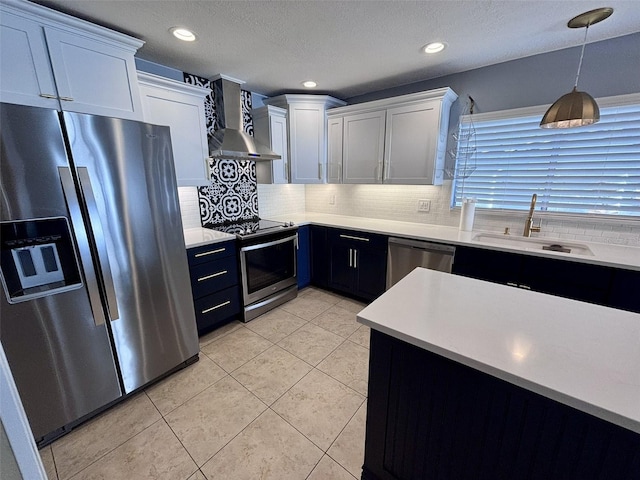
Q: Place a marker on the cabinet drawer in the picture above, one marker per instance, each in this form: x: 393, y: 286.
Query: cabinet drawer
x: 356, y: 238
x: 217, y: 308
x: 207, y: 253
x: 213, y: 276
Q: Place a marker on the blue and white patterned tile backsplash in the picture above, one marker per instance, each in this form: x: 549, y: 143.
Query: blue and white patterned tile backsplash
x: 232, y: 195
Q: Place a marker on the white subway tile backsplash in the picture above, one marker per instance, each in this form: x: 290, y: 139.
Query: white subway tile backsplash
x: 189, y: 207
x: 274, y: 200
x: 400, y: 202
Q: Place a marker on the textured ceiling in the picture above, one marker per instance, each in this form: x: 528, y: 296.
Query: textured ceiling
x: 348, y: 47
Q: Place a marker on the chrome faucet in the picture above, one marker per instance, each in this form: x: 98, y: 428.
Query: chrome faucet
x: 528, y: 225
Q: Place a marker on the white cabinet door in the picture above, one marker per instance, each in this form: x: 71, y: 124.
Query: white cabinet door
x: 181, y: 107
x: 52, y: 60
x: 280, y: 145
x: 307, y: 121
x: 93, y: 77
x: 334, y: 150
x: 25, y: 73
x: 412, y: 144
x: 363, y: 147
x: 307, y: 143
x: 270, y: 128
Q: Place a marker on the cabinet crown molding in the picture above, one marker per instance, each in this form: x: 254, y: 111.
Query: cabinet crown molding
x: 61, y: 21
x: 288, y: 98
x: 152, y: 80
x: 266, y: 110
x: 445, y: 94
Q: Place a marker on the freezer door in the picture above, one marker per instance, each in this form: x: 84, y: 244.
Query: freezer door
x: 126, y: 173
x: 59, y: 353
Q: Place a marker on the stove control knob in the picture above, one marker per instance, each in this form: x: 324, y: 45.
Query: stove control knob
x: 291, y: 224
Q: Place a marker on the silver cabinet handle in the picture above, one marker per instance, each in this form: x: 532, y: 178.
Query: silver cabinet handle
x: 48, y: 95
x: 512, y: 284
x: 319, y: 171
x: 66, y: 99
x: 69, y: 191
x: 526, y: 287
x: 355, y: 258
x: 350, y: 260
x: 210, y: 252
x: 213, y: 275
x: 362, y: 239
x: 216, y: 307
x: 101, y: 246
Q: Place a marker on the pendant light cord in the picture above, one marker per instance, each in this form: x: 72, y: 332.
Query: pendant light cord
x: 584, y: 43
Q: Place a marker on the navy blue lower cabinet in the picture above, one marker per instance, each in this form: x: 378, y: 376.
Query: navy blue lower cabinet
x: 319, y: 256
x: 304, y: 256
x: 625, y: 290
x: 563, y: 278
x: 214, y: 284
x: 358, y: 263
x: 429, y: 417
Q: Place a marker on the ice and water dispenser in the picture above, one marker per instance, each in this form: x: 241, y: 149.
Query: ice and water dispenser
x: 37, y: 258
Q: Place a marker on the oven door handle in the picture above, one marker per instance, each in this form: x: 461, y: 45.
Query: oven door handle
x: 269, y: 244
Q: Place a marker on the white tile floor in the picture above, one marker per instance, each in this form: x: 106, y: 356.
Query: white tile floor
x: 281, y: 397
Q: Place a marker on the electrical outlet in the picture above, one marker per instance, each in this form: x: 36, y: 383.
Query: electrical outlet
x: 424, y: 205
x: 332, y: 199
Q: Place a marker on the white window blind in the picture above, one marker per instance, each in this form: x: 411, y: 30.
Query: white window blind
x: 592, y: 170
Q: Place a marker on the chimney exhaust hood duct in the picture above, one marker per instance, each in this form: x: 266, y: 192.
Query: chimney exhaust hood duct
x: 230, y: 140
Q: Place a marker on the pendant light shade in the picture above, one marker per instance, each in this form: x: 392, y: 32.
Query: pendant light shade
x: 576, y: 109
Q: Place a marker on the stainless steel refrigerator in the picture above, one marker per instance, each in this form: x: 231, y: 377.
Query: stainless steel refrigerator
x: 97, y: 299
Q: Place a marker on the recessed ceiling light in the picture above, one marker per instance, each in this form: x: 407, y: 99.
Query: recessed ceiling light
x: 433, y: 47
x: 183, y: 34
x: 309, y: 84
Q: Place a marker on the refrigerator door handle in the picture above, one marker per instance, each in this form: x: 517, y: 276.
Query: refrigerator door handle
x: 101, y: 246
x: 69, y: 191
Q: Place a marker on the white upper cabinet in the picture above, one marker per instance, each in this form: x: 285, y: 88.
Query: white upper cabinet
x: 53, y: 60
x: 181, y: 107
x: 399, y: 140
x: 307, y: 129
x: 334, y: 150
x: 363, y: 147
x: 25, y: 73
x: 270, y: 128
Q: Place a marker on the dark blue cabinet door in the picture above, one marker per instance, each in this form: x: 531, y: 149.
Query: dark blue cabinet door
x: 319, y: 256
x: 304, y: 258
x: 625, y: 290
x: 371, y: 272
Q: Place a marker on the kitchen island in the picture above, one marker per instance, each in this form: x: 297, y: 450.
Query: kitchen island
x: 469, y: 379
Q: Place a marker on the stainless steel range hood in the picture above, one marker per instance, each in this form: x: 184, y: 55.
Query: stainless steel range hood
x: 230, y: 140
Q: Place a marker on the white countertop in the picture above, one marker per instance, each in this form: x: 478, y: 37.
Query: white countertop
x: 603, y: 254
x: 195, y: 237
x: 583, y: 355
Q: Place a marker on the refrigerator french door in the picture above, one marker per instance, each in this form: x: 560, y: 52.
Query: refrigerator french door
x: 96, y: 298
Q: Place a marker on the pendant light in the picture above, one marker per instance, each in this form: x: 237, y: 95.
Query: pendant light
x: 576, y: 109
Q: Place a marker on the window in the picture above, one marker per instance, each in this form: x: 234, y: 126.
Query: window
x: 589, y: 170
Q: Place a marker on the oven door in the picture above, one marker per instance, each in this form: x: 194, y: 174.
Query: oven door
x: 268, y: 267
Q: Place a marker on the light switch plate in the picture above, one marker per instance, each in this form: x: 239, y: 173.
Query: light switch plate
x: 424, y: 205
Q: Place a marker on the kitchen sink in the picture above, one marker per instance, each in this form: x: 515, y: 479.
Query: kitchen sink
x: 524, y: 243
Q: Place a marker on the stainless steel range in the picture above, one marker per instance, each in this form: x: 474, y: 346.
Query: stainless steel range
x: 268, y: 264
